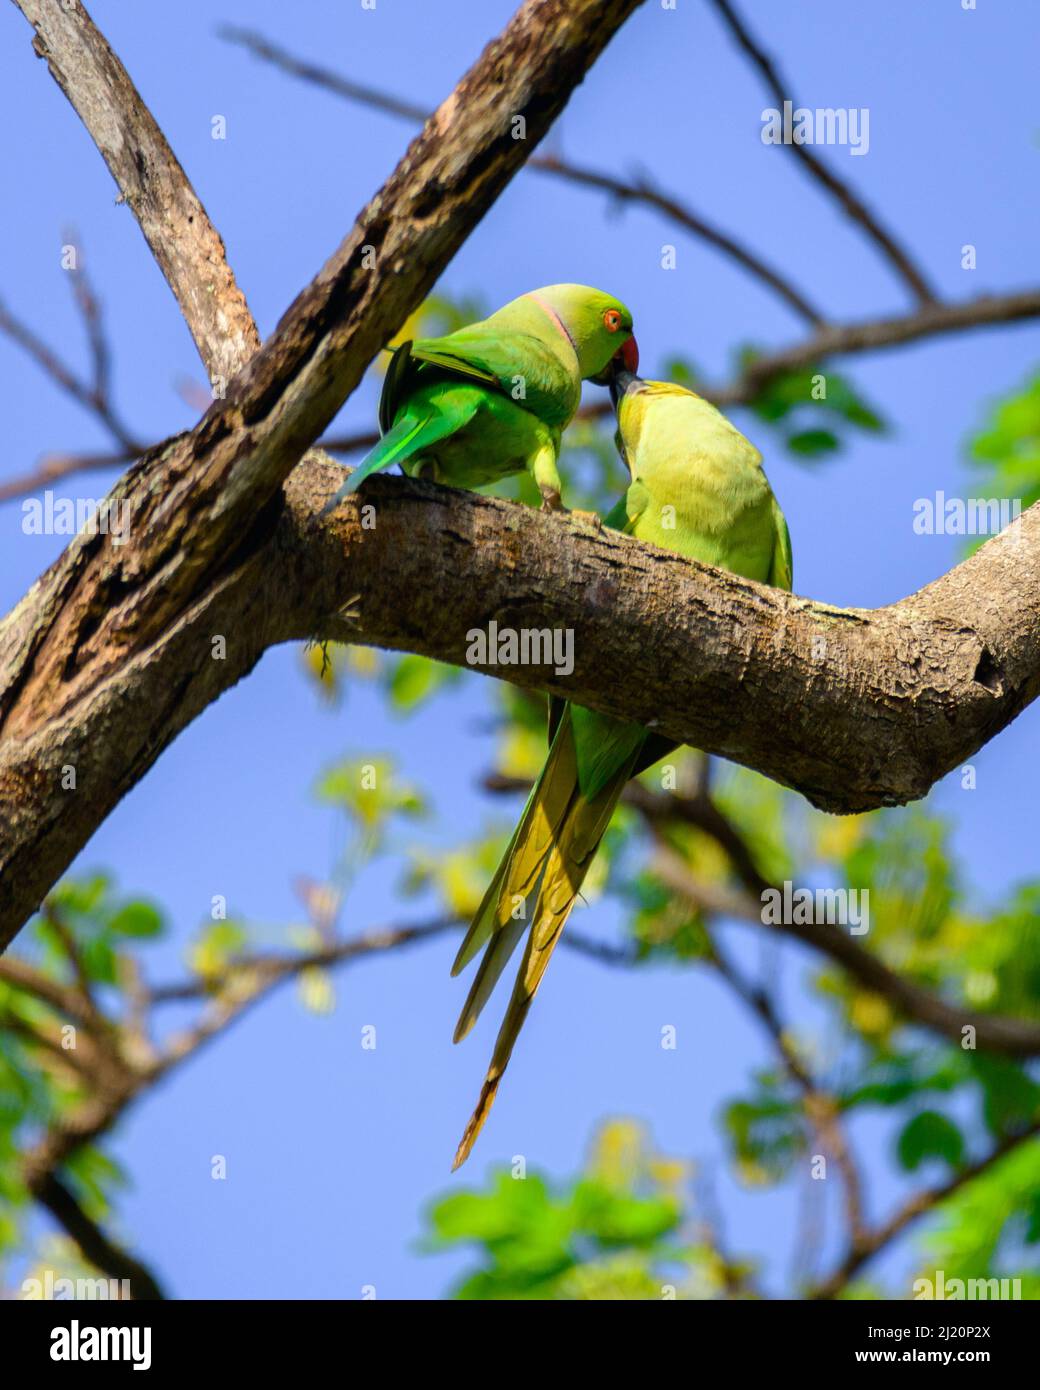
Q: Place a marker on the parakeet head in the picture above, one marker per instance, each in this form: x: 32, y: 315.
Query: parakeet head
x: 599, y: 327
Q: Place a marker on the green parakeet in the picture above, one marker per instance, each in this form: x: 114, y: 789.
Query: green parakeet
x: 697, y: 488
x: 493, y: 398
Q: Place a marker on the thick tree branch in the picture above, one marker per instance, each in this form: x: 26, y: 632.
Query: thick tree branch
x: 854, y: 708
x: 204, y: 505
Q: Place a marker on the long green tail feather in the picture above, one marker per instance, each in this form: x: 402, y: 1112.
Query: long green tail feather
x: 409, y: 436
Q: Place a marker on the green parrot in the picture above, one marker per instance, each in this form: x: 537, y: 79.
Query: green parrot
x: 697, y: 488
x: 493, y: 398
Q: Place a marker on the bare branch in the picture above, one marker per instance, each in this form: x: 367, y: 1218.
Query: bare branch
x: 100, y: 351
x: 94, y: 397
x: 871, y: 335
x: 98, y: 1248
x: 850, y: 202
x: 821, y: 1108
x: 637, y: 190
x: 271, y: 968
x: 182, y: 239
x: 53, y: 467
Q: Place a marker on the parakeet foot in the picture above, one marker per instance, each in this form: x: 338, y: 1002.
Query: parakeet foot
x: 551, y: 499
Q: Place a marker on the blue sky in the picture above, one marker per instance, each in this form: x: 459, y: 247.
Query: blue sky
x: 333, y: 1151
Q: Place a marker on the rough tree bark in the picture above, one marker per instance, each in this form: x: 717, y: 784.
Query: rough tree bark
x: 110, y: 655
x: 114, y: 632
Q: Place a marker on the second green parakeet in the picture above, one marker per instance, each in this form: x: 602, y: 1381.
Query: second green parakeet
x: 697, y: 488
x: 493, y: 398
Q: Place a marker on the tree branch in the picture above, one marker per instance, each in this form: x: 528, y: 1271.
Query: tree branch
x: 182, y: 239
x: 854, y: 708
x: 821, y: 1109
x: 870, y: 335
x: 98, y: 1248
x: 850, y: 202
x: 95, y: 638
x: 637, y: 190
x: 871, y: 1242
x: 94, y: 398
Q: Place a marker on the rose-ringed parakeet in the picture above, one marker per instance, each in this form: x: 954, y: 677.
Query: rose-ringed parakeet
x: 697, y: 488
x: 493, y: 398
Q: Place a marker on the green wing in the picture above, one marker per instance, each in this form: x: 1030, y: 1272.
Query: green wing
x: 406, y: 371
x: 507, y: 361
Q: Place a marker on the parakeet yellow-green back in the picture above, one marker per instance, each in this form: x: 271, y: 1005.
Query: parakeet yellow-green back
x: 697, y: 488
x: 493, y: 398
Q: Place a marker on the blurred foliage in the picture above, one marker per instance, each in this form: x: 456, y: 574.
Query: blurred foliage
x: 630, y: 1225
x: 1007, y: 450
x: 944, y: 1105
x: 811, y: 409
x: 618, y: 1231
x: 40, y: 1087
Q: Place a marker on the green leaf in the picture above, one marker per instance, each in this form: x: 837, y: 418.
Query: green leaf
x: 617, y: 1219
x: 415, y: 678
x: 813, y: 443
x: 930, y: 1135
x: 138, y: 919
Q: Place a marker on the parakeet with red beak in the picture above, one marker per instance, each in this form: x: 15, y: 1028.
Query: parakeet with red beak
x: 493, y: 399
x: 697, y: 488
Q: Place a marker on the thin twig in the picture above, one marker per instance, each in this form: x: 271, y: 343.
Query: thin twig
x: 850, y: 202
x: 638, y: 190
x: 92, y: 397
x: 821, y: 1108
x: 53, y: 467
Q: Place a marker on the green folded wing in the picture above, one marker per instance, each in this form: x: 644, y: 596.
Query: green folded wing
x: 520, y: 365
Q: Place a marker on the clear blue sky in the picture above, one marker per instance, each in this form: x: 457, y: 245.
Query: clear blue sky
x: 333, y: 1151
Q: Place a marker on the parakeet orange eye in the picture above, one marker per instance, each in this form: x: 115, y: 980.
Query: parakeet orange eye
x: 611, y: 320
